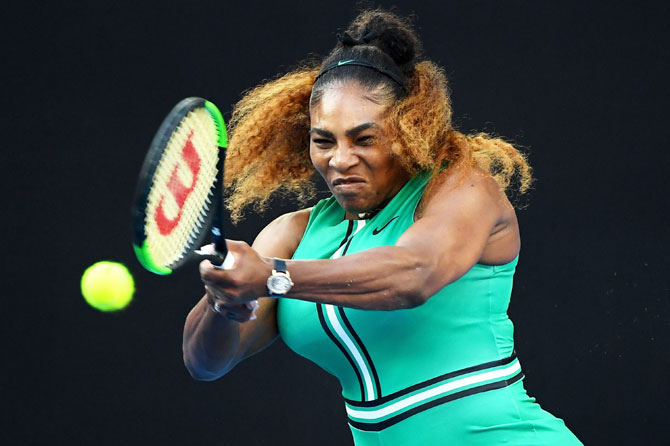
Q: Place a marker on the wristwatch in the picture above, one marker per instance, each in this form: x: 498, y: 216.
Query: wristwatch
x: 279, y: 283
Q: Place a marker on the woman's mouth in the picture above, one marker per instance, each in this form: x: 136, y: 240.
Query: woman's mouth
x: 346, y: 184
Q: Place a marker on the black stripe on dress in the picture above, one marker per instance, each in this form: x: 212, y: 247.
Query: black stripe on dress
x: 346, y: 248
x: 373, y: 370
x: 432, y: 381
x: 375, y: 427
x: 324, y: 325
x: 350, y: 229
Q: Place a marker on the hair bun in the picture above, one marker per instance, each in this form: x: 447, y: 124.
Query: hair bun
x: 390, y: 33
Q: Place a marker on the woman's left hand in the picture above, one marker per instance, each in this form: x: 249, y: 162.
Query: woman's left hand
x: 246, y: 281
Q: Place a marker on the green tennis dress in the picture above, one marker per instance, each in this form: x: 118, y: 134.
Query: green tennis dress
x: 444, y: 373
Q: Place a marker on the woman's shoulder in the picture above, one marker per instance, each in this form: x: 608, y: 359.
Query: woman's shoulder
x: 480, y: 195
x: 467, y: 177
x: 467, y: 185
x: 281, y: 237
x: 291, y: 223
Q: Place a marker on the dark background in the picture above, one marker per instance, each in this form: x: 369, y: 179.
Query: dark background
x: 581, y: 85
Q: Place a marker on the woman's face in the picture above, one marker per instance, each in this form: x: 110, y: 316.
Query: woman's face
x: 350, y: 149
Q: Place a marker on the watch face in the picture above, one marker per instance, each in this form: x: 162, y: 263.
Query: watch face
x: 279, y: 284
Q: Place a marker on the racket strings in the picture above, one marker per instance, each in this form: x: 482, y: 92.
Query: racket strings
x: 182, y: 190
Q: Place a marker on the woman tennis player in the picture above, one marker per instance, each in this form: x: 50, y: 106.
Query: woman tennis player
x: 399, y: 283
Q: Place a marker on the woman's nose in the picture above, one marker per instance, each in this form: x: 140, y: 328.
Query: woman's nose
x: 343, y: 158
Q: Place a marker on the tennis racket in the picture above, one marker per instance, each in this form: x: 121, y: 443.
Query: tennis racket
x: 179, y: 191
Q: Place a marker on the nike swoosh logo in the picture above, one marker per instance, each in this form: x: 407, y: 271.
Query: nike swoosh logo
x: 378, y: 230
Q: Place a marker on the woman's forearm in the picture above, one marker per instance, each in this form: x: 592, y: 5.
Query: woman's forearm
x: 384, y: 278
x: 211, y: 343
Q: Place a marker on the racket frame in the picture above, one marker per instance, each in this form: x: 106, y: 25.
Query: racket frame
x: 214, y: 217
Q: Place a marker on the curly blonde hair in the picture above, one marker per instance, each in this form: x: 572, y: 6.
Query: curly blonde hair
x: 269, y: 141
x: 425, y: 139
x: 269, y: 130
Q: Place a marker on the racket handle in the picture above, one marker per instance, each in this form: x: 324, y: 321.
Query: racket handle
x: 217, y: 259
x: 228, y: 262
x: 218, y: 238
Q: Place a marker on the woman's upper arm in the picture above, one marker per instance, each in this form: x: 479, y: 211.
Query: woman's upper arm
x: 280, y: 238
x: 454, y: 228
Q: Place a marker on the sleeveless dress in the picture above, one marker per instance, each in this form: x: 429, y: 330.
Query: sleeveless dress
x: 444, y: 373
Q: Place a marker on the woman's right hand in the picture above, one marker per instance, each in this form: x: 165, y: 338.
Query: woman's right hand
x: 236, y: 312
x: 213, y: 344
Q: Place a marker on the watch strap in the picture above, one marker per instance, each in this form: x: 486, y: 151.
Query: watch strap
x: 279, y: 265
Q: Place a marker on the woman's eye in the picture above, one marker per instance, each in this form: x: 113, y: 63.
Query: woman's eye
x: 321, y: 142
x: 366, y: 140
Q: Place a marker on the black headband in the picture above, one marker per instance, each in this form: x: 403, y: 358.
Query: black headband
x: 364, y: 63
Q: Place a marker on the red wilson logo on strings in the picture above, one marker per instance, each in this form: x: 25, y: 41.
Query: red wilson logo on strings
x: 179, y: 191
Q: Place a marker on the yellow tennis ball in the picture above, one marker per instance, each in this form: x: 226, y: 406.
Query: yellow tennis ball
x: 107, y: 286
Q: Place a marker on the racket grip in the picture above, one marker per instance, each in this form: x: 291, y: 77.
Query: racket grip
x: 228, y: 262
x: 219, y: 261
x: 218, y: 239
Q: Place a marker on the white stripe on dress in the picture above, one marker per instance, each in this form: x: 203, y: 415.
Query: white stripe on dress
x: 351, y: 346
x: 427, y: 394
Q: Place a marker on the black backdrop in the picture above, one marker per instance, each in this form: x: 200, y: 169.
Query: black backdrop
x: 581, y: 84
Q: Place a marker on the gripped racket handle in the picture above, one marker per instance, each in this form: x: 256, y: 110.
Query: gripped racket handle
x: 219, y: 261
x: 222, y: 258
